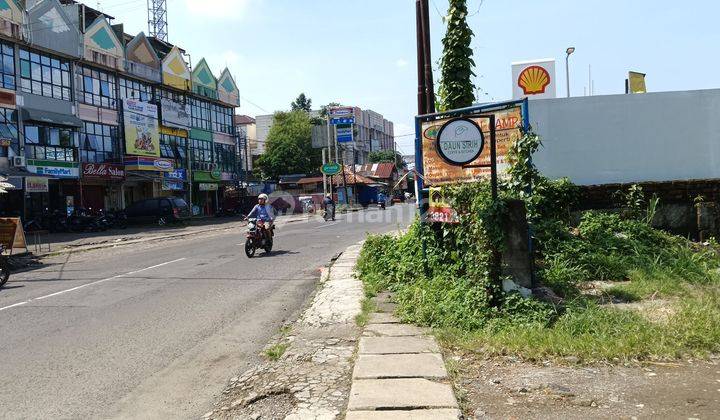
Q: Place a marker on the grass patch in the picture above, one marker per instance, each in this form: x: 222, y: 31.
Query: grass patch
x: 276, y: 351
x: 368, y: 307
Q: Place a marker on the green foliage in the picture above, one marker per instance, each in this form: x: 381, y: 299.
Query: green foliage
x: 301, y: 103
x: 380, y: 156
x: 289, y: 147
x: 456, y: 65
x: 324, y: 108
x: 276, y: 351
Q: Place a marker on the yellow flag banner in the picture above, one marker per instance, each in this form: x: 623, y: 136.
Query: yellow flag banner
x: 637, y: 82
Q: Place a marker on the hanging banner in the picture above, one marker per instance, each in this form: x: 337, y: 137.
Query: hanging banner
x: 440, y: 161
x: 142, y: 130
x: 175, y: 114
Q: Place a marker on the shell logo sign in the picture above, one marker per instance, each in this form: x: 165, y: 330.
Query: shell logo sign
x: 534, y: 79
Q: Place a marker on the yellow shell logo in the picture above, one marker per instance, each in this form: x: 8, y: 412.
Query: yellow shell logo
x: 533, y: 80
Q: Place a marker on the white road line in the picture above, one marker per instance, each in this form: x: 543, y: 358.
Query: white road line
x: 92, y: 283
x: 324, y: 226
x: 13, y: 305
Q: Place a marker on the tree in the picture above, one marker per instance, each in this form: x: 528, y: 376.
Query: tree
x: 289, y: 147
x: 302, y: 103
x: 456, y: 65
x: 325, y: 108
x: 380, y: 156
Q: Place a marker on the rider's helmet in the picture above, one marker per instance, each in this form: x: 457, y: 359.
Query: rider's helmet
x: 262, y: 197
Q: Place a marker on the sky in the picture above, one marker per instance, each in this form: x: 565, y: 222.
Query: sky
x: 362, y: 53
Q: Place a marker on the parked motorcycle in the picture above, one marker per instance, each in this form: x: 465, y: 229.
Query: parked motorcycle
x: 82, y: 220
x: 117, y: 219
x: 4, y: 266
x: 381, y: 205
x: 257, y: 237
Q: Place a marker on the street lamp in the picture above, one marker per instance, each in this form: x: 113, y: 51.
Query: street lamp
x: 569, y: 51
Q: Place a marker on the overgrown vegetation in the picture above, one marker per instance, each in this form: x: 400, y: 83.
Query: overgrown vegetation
x: 447, y: 284
x: 276, y: 351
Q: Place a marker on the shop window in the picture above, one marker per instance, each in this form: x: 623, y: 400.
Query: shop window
x: 8, y: 132
x: 7, y: 69
x: 99, y: 143
x: 96, y: 87
x: 222, y: 119
x: 44, y: 75
x: 200, y: 114
x: 132, y: 89
x: 51, y: 143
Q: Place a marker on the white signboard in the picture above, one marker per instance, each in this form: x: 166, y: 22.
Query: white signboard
x: 175, y: 114
x: 534, y: 79
x: 460, y: 141
x: 35, y: 184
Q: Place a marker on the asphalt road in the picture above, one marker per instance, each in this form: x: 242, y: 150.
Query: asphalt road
x: 156, y: 331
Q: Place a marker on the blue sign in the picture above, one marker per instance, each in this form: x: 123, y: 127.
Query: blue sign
x: 342, y: 121
x: 345, y: 134
x: 180, y: 174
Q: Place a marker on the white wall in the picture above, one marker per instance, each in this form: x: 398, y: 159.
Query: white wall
x: 629, y: 138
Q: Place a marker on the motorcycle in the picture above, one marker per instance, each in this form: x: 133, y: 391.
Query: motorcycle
x: 257, y: 237
x: 381, y: 204
x: 82, y: 220
x: 4, y: 266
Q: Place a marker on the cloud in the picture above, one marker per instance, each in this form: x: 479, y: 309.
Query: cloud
x: 400, y: 63
x: 219, y: 9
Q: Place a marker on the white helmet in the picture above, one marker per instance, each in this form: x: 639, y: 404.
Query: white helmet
x: 262, y: 197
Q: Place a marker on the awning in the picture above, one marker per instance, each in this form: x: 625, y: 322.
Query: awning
x: 15, y: 171
x: 51, y: 117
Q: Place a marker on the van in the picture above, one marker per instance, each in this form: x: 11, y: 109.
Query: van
x: 160, y: 211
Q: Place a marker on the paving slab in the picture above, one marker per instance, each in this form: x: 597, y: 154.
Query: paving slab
x: 386, y: 307
x: 384, y: 297
x: 418, y: 365
x: 388, y: 394
x: 437, y: 414
x: 383, y: 318
x: 393, y: 330
x: 396, y: 345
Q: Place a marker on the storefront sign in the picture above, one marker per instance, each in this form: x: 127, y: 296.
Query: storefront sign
x: 534, y: 79
x: 331, y: 169
x: 148, y: 164
x: 177, y: 174
x: 142, y: 132
x: 213, y: 176
x: 440, y: 211
x: 104, y: 171
x: 54, y: 169
x: 36, y: 184
x: 12, y: 234
x: 177, y: 132
x: 175, y: 114
x: 173, y: 185
x: 207, y: 187
x: 438, y: 171
x: 460, y: 141
x: 227, y: 176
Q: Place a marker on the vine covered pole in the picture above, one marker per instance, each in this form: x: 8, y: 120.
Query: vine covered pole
x: 420, y: 58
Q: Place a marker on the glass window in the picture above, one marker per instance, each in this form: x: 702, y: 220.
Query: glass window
x: 222, y: 119
x: 174, y: 147
x: 99, y: 143
x: 201, y: 153
x: 96, y: 87
x: 38, y: 77
x: 7, y: 66
x: 225, y: 157
x: 171, y: 95
x: 136, y: 90
x: 52, y: 143
x: 200, y: 114
x: 8, y: 132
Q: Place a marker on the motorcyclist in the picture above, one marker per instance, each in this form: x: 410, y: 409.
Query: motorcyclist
x: 382, y: 199
x: 329, y: 206
x: 265, y: 212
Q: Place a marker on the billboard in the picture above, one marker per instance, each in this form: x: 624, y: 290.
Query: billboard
x: 438, y: 171
x: 142, y: 131
x: 534, y: 79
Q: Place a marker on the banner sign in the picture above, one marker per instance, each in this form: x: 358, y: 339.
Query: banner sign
x: 440, y: 211
x: 534, y: 79
x: 342, y: 121
x: 12, y: 234
x: 142, y: 131
x: 54, y: 169
x: 177, y: 174
x: 208, y: 187
x: 103, y: 171
x: 341, y: 111
x: 148, y: 164
x: 173, y: 185
x: 439, y: 170
x: 175, y: 114
x: 37, y: 184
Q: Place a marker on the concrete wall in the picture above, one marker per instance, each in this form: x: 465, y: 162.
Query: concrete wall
x: 629, y: 138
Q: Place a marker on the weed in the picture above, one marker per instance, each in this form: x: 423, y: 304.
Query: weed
x: 276, y: 351
x: 368, y: 307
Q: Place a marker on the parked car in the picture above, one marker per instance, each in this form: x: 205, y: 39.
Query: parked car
x: 158, y: 210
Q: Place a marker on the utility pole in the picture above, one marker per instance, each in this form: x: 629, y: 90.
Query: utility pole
x: 157, y: 19
x: 420, y: 61
x: 427, y: 58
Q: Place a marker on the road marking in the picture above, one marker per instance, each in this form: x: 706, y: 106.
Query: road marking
x: 72, y: 289
x: 324, y: 226
x: 13, y: 305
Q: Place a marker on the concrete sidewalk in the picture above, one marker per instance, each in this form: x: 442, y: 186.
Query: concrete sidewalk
x: 67, y: 243
x: 399, y: 372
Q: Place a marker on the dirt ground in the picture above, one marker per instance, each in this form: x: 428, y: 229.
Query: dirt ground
x: 506, y: 388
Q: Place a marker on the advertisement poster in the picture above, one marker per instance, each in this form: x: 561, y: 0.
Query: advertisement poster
x: 142, y: 132
x: 438, y: 171
x: 175, y: 114
x: 36, y: 184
